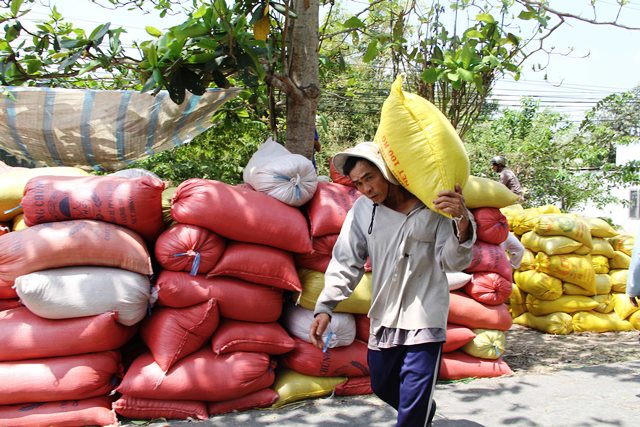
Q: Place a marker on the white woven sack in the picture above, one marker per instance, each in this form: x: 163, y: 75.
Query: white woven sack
x: 458, y: 279
x: 70, y: 292
x: 297, y: 320
x: 273, y: 170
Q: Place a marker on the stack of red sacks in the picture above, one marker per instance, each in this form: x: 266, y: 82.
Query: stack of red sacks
x: 81, y: 269
x: 478, y: 315
x: 211, y: 337
x: 342, y: 367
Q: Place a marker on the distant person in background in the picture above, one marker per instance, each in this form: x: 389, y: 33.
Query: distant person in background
x: 633, y: 278
x: 507, y: 177
x: 316, y: 147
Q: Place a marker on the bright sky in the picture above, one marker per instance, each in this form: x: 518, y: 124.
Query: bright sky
x: 574, y: 84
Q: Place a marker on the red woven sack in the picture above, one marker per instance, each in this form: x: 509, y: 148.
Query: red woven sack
x: 199, y: 376
x: 465, y: 311
x: 350, y: 361
x: 489, y: 288
x: 58, y: 378
x: 337, y: 177
x: 318, y: 259
x: 492, y: 225
x: 148, y: 409
x: 26, y: 336
x: 354, y: 386
x: 328, y: 208
x: 313, y: 261
x: 258, y: 399
x: 8, y: 304
x: 185, y: 247
x: 7, y: 291
x: 134, y: 203
x: 173, y: 333
x: 237, y: 299
x: 68, y: 243
x: 362, y: 327
x: 458, y: 365
x: 491, y: 258
x: 233, y: 335
x: 240, y: 214
x: 95, y: 411
x: 457, y: 336
x: 259, y: 264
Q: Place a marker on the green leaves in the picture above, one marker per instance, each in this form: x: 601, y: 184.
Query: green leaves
x: 153, y: 31
x: 372, y: 51
x: 15, y: 7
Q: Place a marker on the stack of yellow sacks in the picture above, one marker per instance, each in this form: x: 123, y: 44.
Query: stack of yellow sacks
x: 573, y: 274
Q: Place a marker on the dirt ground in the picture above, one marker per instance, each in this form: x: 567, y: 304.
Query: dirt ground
x: 530, y: 351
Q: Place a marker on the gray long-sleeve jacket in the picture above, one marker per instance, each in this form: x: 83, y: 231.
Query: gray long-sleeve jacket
x: 409, y: 257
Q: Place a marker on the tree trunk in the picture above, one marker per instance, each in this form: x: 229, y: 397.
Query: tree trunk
x: 302, y: 101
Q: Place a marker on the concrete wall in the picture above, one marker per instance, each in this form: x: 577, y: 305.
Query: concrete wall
x: 618, y: 212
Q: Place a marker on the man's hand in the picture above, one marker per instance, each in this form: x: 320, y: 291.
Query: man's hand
x: 318, y: 326
x: 452, y: 203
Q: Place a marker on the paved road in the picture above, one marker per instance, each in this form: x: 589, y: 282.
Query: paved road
x: 594, y: 396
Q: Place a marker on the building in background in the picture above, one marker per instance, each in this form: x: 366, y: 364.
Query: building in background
x: 626, y: 215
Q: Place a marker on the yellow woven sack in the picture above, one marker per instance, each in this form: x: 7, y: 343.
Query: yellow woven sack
x: 576, y: 269
x: 590, y: 321
x: 483, y: 192
x: 602, y: 247
x: 528, y: 260
x: 517, y: 304
x: 548, y: 209
x: 12, y: 186
x: 622, y: 306
x: 540, y: 285
x: 619, y: 260
x: 167, y: 194
x: 600, y: 264
x: 554, y: 323
x: 564, y: 225
x: 571, y: 289
x: 564, y: 304
x: 600, y: 228
x: 619, y: 280
x: 18, y: 223
x: 525, y: 221
x: 551, y: 245
x: 603, y: 284
x: 419, y: 145
x: 623, y: 243
x: 487, y: 344
x: 634, y: 319
x: 510, y: 212
x: 293, y: 386
x: 312, y: 282
x: 606, y: 303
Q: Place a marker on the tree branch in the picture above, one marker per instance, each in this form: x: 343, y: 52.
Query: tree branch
x: 561, y: 14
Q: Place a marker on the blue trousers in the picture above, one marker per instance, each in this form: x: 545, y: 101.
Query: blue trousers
x: 405, y: 377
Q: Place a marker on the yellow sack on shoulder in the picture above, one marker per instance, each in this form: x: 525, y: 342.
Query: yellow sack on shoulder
x: 483, y: 192
x: 420, y: 146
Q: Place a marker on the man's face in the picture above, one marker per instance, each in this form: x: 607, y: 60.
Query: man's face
x: 495, y: 167
x: 369, y: 181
